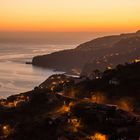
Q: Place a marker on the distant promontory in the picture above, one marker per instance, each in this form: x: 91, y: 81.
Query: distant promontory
x: 99, y: 53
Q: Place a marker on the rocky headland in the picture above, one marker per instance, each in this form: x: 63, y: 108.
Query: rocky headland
x: 99, y: 53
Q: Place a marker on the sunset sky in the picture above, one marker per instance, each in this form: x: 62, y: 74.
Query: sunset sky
x: 69, y: 15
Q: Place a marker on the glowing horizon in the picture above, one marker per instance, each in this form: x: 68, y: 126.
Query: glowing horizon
x: 64, y: 15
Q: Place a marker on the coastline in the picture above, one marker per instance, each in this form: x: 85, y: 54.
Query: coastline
x: 15, y: 75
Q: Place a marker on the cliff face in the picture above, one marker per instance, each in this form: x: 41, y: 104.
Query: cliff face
x: 91, y: 52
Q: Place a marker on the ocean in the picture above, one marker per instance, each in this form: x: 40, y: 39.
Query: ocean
x: 18, y: 47
x: 16, y: 76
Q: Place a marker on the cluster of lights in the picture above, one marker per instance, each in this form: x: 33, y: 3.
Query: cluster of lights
x: 65, y: 108
x: 54, y: 84
x: 137, y: 60
x: 6, y: 130
x: 14, y: 103
x: 98, y: 136
x: 75, y: 124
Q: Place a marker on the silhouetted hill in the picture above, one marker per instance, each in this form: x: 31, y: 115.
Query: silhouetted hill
x: 125, y: 50
x: 93, y: 52
x: 68, y: 108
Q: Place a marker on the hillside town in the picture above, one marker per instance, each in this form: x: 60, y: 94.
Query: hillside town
x: 97, y: 106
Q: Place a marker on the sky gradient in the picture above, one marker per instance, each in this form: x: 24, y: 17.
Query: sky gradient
x: 69, y: 15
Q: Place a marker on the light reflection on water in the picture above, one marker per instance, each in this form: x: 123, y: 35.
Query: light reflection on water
x: 15, y: 75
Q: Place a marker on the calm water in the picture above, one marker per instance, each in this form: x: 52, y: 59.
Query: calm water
x: 15, y: 75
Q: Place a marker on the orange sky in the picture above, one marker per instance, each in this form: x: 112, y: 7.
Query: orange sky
x: 69, y: 15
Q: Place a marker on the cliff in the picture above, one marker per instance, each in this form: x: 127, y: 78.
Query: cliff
x: 74, y: 60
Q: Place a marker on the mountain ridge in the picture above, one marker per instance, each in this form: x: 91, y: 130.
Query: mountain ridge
x: 74, y: 60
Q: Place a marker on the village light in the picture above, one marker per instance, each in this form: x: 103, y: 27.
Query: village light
x: 54, y: 83
x: 52, y: 88
x: 109, y: 68
x: 125, y: 104
x: 98, y: 98
x: 98, y: 136
x: 4, y: 127
x: 75, y: 124
x: 65, y: 108
x: 137, y: 60
x: 14, y: 103
x: 6, y: 130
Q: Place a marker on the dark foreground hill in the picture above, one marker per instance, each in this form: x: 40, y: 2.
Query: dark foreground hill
x: 102, y: 107
x: 98, y: 53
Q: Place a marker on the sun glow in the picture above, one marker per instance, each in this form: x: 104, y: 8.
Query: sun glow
x: 79, y: 15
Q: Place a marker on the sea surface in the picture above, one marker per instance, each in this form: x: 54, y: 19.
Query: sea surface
x: 16, y: 76
x: 18, y: 47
